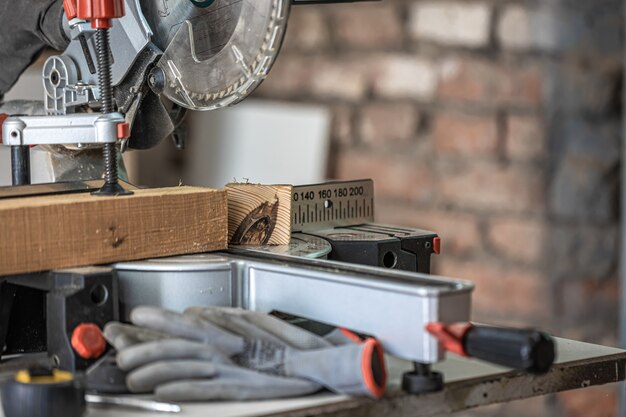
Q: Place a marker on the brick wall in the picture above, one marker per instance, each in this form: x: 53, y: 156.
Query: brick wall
x: 496, y: 124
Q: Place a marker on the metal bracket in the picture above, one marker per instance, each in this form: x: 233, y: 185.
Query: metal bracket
x: 52, y: 305
x: 78, y: 128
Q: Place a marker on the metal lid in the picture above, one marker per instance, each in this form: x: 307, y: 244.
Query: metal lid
x: 301, y: 246
x: 198, y: 262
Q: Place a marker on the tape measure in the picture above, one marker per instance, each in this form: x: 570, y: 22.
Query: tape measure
x: 43, y: 393
x: 332, y: 204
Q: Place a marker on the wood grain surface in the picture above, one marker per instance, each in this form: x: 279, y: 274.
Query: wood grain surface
x: 61, y: 231
x: 259, y: 214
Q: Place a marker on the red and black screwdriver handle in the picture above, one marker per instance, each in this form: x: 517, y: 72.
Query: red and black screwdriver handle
x: 528, y: 350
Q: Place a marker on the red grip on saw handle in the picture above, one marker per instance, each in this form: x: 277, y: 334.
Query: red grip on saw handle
x: 529, y: 350
x: 70, y: 9
x: 100, y: 12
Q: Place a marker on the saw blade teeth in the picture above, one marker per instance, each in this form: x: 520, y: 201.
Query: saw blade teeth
x: 252, y: 60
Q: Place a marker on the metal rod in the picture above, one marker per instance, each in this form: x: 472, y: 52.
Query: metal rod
x: 422, y: 368
x: 109, y: 151
x: 20, y: 165
x: 132, y: 402
x: 106, y: 98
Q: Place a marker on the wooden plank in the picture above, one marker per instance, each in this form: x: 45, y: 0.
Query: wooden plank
x: 61, y: 231
x: 259, y: 214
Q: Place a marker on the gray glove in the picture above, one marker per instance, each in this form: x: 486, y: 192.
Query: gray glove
x: 183, y: 370
x: 259, y: 342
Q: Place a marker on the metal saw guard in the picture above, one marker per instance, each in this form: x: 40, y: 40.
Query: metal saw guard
x: 227, y: 77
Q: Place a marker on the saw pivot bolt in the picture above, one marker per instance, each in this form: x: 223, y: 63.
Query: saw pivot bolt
x: 101, y: 14
x: 156, y: 80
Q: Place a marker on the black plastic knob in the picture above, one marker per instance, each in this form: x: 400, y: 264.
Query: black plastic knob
x: 529, y: 350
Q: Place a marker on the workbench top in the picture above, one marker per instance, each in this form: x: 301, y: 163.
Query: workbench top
x: 469, y: 383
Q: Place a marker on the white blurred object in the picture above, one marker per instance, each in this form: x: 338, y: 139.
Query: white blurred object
x: 259, y: 141
x: 256, y: 140
x: 29, y: 86
x: 5, y: 166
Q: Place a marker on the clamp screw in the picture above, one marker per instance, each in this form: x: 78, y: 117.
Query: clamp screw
x: 101, y: 13
x: 156, y: 80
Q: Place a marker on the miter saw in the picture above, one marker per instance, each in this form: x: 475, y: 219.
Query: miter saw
x: 129, y: 66
x: 201, y: 55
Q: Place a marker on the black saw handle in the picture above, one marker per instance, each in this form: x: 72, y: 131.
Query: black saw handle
x: 529, y: 350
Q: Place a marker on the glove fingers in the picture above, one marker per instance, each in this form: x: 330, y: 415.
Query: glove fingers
x: 147, y: 378
x: 121, y: 335
x: 186, y: 326
x: 255, y: 325
x: 233, y: 320
x: 199, y: 310
x: 252, y: 386
x: 295, y: 336
x: 170, y: 349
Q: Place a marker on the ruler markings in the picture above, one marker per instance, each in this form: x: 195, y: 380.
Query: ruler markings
x: 332, y: 204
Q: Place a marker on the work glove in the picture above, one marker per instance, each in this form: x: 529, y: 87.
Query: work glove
x: 234, y: 348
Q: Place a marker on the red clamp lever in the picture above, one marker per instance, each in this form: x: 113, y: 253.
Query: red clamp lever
x: 100, y: 12
x: 70, y: 9
x: 451, y: 336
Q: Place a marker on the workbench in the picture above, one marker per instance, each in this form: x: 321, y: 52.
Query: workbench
x: 469, y: 383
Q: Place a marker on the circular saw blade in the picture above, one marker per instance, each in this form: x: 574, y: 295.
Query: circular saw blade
x: 215, y: 55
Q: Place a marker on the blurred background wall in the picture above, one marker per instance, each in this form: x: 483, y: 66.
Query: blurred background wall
x: 496, y: 124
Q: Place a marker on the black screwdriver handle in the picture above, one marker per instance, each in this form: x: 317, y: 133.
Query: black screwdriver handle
x: 528, y: 350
